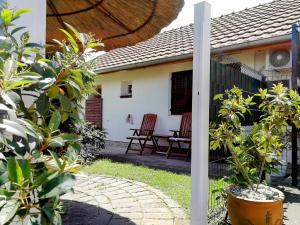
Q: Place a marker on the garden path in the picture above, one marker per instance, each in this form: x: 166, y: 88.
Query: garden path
x: 107, y: 200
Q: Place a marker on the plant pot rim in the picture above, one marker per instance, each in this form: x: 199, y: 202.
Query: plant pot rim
x: 281, y: 195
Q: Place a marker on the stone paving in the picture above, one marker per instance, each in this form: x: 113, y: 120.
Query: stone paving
x: 107, y: 200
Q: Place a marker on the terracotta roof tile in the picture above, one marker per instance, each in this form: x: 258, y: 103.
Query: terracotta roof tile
x: 260, y: 22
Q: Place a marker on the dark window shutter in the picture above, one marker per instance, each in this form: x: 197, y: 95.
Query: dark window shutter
x: 181, y: 92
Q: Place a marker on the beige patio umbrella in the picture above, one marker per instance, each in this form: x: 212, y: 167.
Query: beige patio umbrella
x: 117, y: 22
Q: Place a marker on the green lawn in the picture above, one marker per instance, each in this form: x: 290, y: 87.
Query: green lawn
x: 177, y: 186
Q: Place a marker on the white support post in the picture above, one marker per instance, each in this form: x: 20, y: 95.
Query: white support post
x: 200, y: 125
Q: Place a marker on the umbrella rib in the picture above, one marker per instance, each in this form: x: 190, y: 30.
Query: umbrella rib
x: 111, y: 16
x: 138, y: 28
x: 75, y: 12
x: 54, y: 9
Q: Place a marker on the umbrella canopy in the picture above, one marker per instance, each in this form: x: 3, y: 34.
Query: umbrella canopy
x: 117, y: 22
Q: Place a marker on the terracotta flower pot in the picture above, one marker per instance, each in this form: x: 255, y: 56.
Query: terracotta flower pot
x: 251, y: 212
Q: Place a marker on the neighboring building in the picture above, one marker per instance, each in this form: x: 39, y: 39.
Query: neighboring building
x: 155, y: 76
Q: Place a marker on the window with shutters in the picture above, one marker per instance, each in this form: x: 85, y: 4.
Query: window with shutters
x: 181, y: 92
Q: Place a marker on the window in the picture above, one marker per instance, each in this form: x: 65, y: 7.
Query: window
x: 181, y: 92
x: 126, y: 89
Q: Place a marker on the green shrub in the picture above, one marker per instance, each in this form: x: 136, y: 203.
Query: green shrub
x: 37, y: 155
x: 255, y: 153
x: 92, y: 141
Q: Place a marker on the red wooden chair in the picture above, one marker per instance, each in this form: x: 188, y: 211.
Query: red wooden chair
x: 182, y: 136
x: 144, y: 134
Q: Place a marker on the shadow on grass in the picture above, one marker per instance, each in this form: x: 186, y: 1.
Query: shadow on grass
x: 80, y: 213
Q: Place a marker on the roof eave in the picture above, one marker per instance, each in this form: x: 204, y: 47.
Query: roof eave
x: 245, y: 45
x: 251, y: 44
x: 145, y: 64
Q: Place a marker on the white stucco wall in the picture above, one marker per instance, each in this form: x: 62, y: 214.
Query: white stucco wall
x: 151, y: 94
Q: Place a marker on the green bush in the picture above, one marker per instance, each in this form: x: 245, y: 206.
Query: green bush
x: 37, y: 155
x: 255, y: 153
x: 92, y: 141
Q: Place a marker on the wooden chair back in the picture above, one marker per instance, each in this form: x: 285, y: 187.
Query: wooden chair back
x: 186, y: 125
x: 148, y: 124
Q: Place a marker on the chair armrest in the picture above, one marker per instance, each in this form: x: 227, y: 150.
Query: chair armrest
x: 135, y: 131
x: 175, y: 132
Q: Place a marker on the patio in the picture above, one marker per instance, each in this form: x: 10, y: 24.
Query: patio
x: 116, y: 152
x: 107, y: 200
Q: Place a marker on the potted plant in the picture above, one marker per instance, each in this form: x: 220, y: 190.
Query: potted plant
x: 255, y: 152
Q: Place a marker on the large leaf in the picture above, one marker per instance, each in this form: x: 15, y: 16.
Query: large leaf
x: 26, y: 170
x: 56, y: 159
x: 13, y: 128
x: 56, y: 142
x: 8, y: 211
x: 6, y: 194
x: 65, y: 103
x: 53, y: 91
x: 57, y: 186
x: 14, y: 171
x: 43, y: 178
x: 71, y: 40
x: 8, y: 99
x: 42, y: 104
x: 54, y: 121
x: 6, y: 16
x: 20, y: 84
x: 19, y: 12
x: 52, y: 215
x: 70, y: 137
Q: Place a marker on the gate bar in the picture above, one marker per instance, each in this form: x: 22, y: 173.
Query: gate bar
x: 295, y: 43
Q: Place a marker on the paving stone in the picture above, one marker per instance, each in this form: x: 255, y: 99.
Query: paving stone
x: 107, y: 200
x: 157, y: 222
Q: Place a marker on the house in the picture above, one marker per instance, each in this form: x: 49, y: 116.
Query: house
x: 155, y: 76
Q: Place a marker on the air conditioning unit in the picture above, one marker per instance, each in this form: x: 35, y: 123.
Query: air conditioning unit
x: 279, y: 59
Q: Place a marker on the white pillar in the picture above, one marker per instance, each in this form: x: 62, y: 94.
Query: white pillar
x: 200, y: 125
x: 35, y: 21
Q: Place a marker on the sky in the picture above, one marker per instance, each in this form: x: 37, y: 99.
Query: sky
x: 219, y: 7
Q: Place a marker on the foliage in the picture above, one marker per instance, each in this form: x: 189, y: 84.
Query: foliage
x: 37, y: 158
x: 92, y: 140
x: 257, y: 152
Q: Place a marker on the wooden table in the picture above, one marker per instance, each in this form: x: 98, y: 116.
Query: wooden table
x: 156, y: 138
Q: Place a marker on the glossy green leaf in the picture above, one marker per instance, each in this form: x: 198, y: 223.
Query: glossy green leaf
x: 57, y: 186
x: 54, y: 121
x: 19, y: 12
x: 70, y: 137
x: 13, y: 128
x: 71, y: 40
x: 6, y: 16
x: 8, y: 211
x: 56, y: 158
x: 56, y: 142
x: 65, y: 103
x: 14, y: 171
x: 52, y: 215
x: 42, y: 104
x: 26, y: 169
